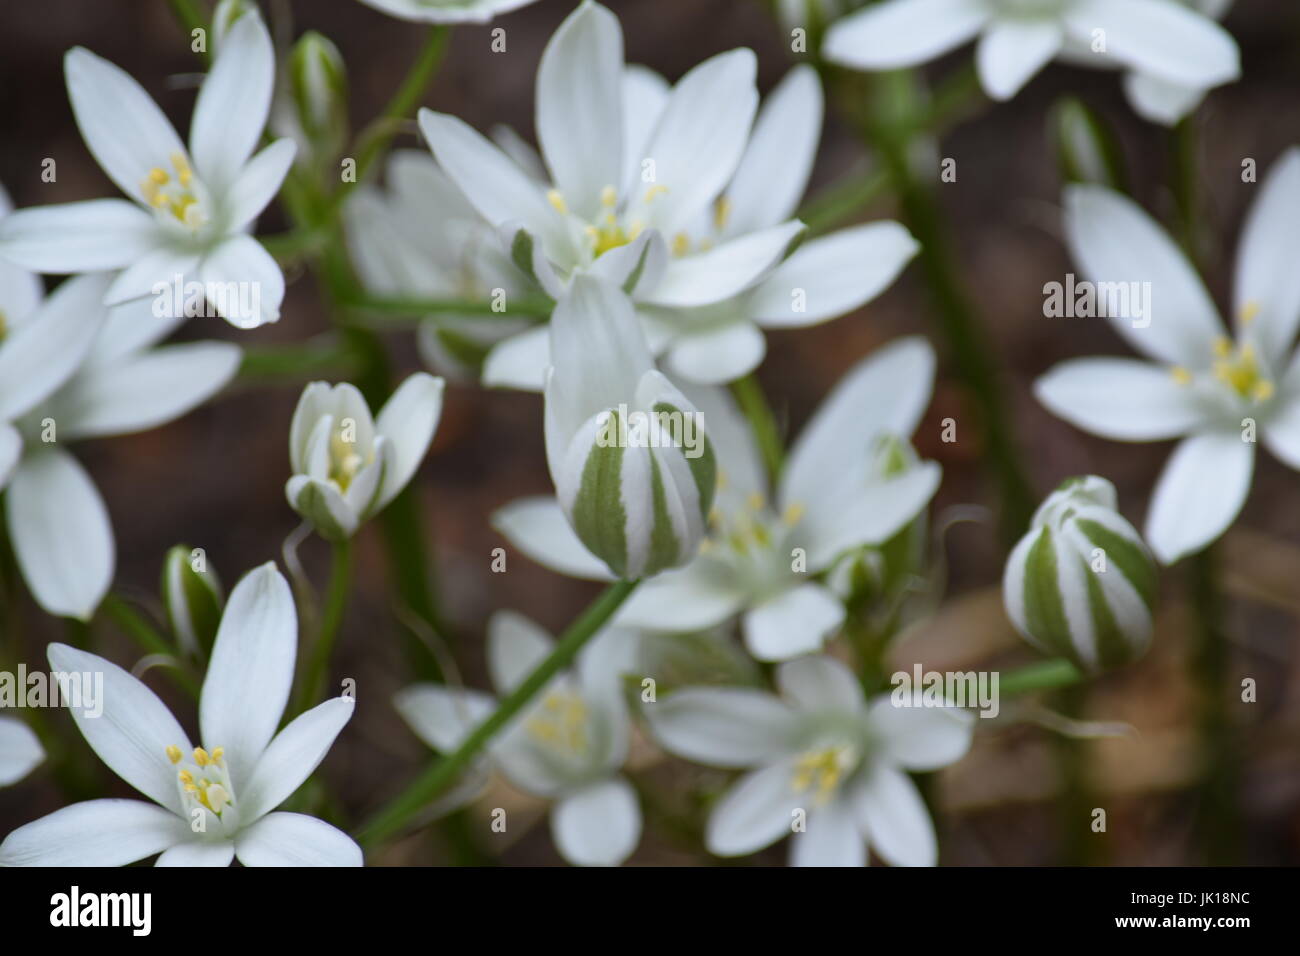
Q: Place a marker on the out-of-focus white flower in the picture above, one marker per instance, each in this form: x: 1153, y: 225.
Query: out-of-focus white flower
x: 638, y: 189
x: 1162, y: 40
x: 1213, y: 391
x: 1163, y: 101
x: 567, y: 746
x: 396, y: 253
x: 1081, y: 582
x: 830, y: 766
x: 20, y: 751
x: 348, y: 466
x: 70, y: 369
x: 209, y: 804
x: 446, y: 11
x: 633, y: 468
x: 192, y: 597
x: 762, y: 558
x: 191, y: 210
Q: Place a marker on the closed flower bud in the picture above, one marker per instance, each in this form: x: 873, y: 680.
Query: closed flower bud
x: 193, y: 598
x: 632, y: 466
x: 1082, y: 583
x: 319, y: 90
x: 346, y: 465
x: 1087, y: 149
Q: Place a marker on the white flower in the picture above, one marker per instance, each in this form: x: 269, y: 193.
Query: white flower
x: 1081, y: 583
x: 20, y: 751
x: 212, y: 803
x: 191, y: 210
x: 762, y: 558
x: 637, y: 174
x: 1159, y: 39
x: 1165, y: 101
x: 347, y: 466
x: 1212, y: 391
x: 446, y: 11
x: 396, y: 253
x: 70, y: 369
x: 633, y: 468
x: 824, y: 757
x: 567, y: 746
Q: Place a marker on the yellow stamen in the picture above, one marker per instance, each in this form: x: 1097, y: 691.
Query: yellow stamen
x: 201, y: 757
x: 557, y: 201
x: 681, y: 244
x: 182, y: 167
x: 657, y: 189
x: 174, y: 753
x: 1181, y: 375
x: 1240, y: 371
x: 217, y: 754
x: 1248, y: 312
x: 561, y: 722
x: 1263, y: 391
x: 821, y: 771
x: 608, y: 197
x: 721, y: 213
x: 793, y: 513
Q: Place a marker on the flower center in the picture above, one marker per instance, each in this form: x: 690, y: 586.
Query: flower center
x: 203, y: 781
x: 173, y: 193
x: 821, y: 771
x: 345, y: 460
x: 1236, y: 365
x: 561, y: 722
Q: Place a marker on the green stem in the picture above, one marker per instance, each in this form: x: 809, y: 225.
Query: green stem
x: 298, y: 362
x: 143, y: 633
x: 838, y: 203
x: 443, y: 773
x: 527, y: 306
x: 1043, y: 675
x: 336, y: 599
x: 752, y: 401
x: 191, y: 18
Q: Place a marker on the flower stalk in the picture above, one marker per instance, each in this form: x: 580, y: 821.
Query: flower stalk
x: 336, y: 597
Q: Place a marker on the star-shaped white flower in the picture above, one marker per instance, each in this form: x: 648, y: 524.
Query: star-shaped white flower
x: 1214, y: 392
x: 567, y: 746
x: 823, y: 758
x: 1161, y: 40
x: 209, y: 803
x: 191, y: 210
x: 764, y: 559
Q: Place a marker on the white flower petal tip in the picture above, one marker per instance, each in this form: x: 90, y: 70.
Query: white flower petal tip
x: 20, y: 751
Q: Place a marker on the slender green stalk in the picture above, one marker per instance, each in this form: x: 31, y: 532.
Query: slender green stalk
x: 297, y: 362
x: 441, y: 774
x: 752, y: 401
x: 837, y: 204
x: 1043, y: 675
x: 336, y: 598
x: 525, y: 306
x: 143, y: 633
x: 191, y: 17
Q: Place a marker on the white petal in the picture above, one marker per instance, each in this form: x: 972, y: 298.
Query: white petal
x: 130, y: 328
x: 233, y: 103
x: 892, y: 813
x: 758, y: 810
x: 258, y: 182
x: 423, y: 11
x: 78, y: 236
x: 11, y: 449
x: 1281, y: 432
x: 294, y: 839
x: 1267, y: 282
x: 21, y: 292
x: 920, y: 738
x: 773, y: 173
x: 198, y: 853
x: 1012, y: 51
x: 724, y: 270
x: 832, y: 838
x: 580, y: 106
x: 718, y: 355
x: 321, y: 503
x: 598, y: 825
x: 292, y: 756
x: 515, y: 647
x: 134, y: 730
x: 249, y: 276
x: 1161, y: 101
x: 798, y: 621
x: 645, y: 94
x: 1161, y: 38
x: 407, y: 421
x: 520, y: 361
x: 820, y: 684
x: 836, y: 274
x: 1113, y: 240
x: 123, y: 128
x: 251, y: 669
x: 903, y: 32
x: 144, y: 390
x: 60, y: 532
x: 695, y: 597
x: 1199, y: 494
x: 1124, y: 399
x: 20, y: 750
x: 94, y: 833
x: 442, y: 716
x: 538, y: 528
x: 851, y: 513
x: 161, y: 275
x: 723, y: 726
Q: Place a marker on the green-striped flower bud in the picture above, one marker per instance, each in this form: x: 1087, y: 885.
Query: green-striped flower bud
x: 633, y: 468
x: 192, y: 595
x: 318, y: 86
x: 1082, y: 583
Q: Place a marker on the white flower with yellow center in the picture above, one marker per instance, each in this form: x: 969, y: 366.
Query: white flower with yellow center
x: 567, y: 746
x: 191, y: 210
x: 71, y: 369
x: 213, y: 802
x: 1217, y: 393
x: 762, y: 558
x: 347, y: 466
x: 1162, y: 40
x: 637, y: 188
x: 831, y: 767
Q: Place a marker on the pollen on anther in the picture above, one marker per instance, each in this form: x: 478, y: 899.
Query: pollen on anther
x: 657, y: 189
x: 557, y: 202
x: 681, y: 244
x: 1248, y: 312
x: 201, y: 757
x: 1181, y: 375
x: 608, y: 196
x: 174, y: 753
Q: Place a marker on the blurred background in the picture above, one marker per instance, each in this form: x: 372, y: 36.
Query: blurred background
x: 215, y: 479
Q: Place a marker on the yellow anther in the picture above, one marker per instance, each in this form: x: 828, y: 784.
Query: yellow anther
x: 217, y: 754
x: 182, y: 167
x: 681, y: 244
x: 793, y: 513
x: 1240, y: 371
x: 557, y: 201
x: 159, y: 176
x: 190, y: 788
x: 1248, y: 312
x: 1222, y: 347
x: 1263, y: 390
x: 185, y: 776
x: 1181, y: 375
x: 821, y: 771
x: 561, y: 722
x: 174, y: 753
x: 721, y: 213
x: 657, y: 189
x: 608, y: 197
x: 754, y: 501
x: 201, y: 757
